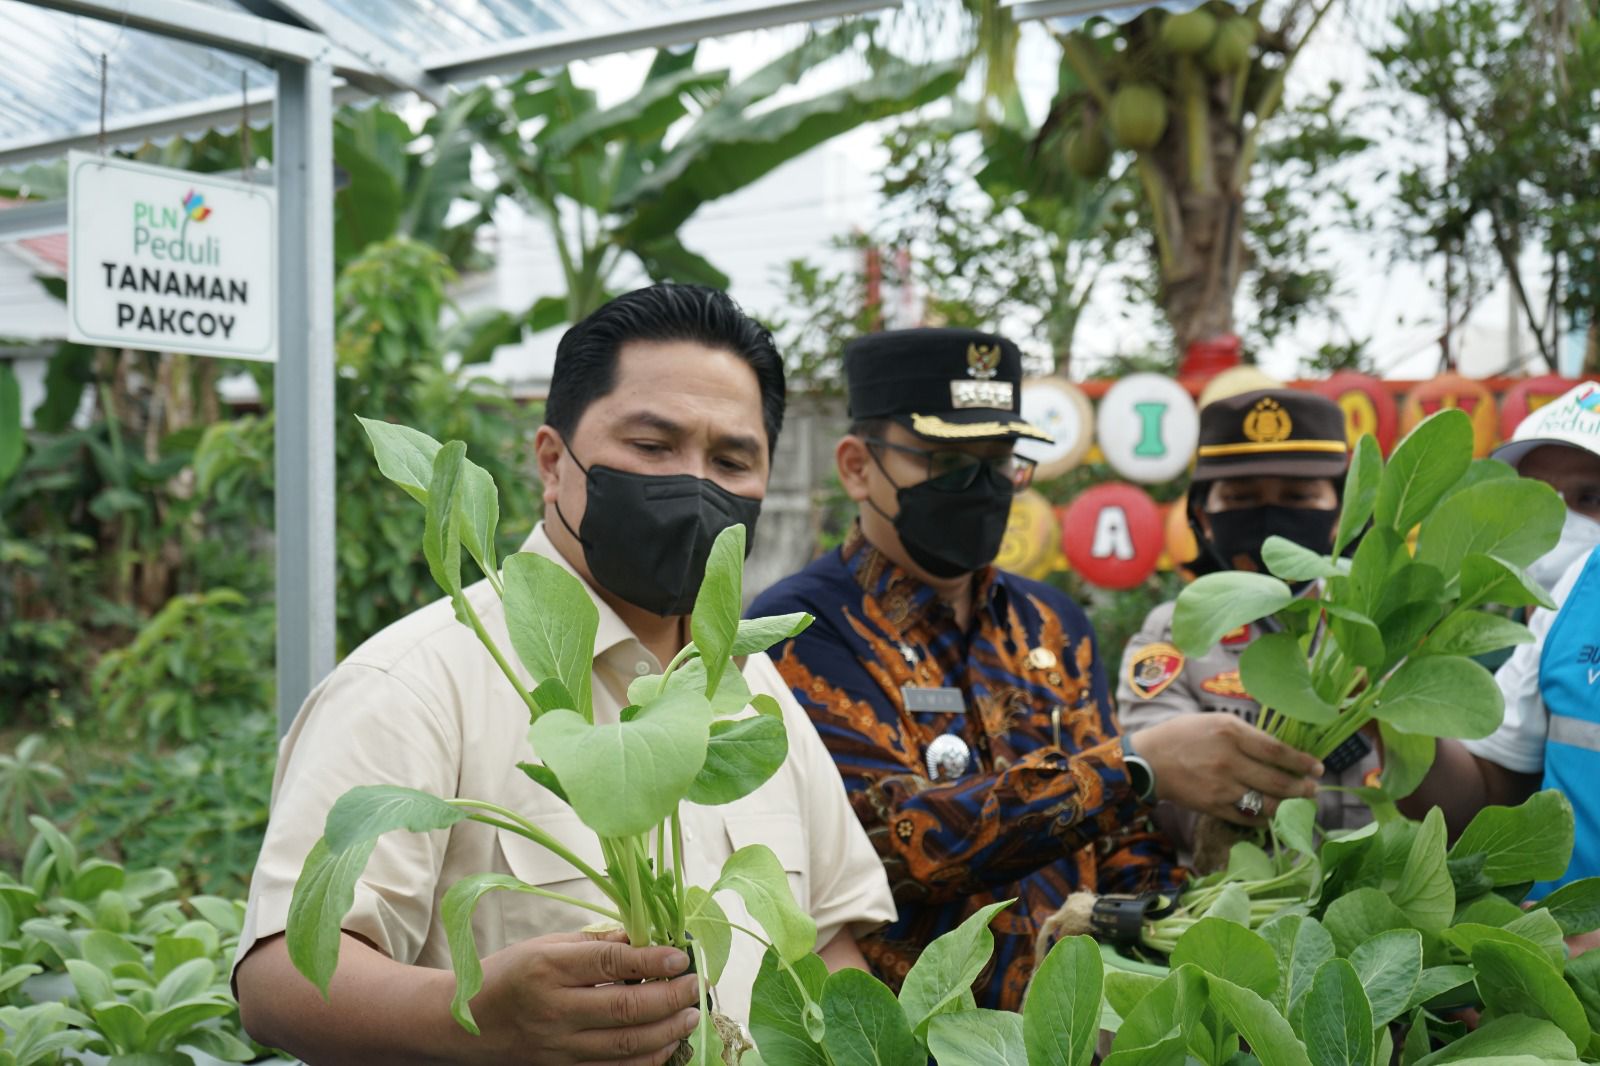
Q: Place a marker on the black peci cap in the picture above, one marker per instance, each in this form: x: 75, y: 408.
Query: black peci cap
x: 1271, y: 432
x: 942, y: 384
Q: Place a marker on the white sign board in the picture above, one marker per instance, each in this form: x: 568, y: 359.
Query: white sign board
x: 168, y: 260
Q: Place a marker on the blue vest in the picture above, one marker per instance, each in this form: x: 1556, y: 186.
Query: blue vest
x: 1569, y: 681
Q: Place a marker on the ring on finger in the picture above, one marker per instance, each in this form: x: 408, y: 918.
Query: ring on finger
x: 1251, y: 803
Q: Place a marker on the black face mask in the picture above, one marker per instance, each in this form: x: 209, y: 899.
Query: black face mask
x: 949, y: 531
x: 1237, y: 536
x: 646, y: 537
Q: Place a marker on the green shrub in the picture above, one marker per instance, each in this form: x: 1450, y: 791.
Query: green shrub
x: 199, y: 810
x: 27, y: 781
x: 204, y: 659
x: 98, y: 959
x: 44, y: 651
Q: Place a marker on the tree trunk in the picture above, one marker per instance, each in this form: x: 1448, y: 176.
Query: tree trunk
x: 1202, y: 206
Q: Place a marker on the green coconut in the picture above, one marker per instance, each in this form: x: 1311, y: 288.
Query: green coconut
x: 1230, y: 52
x: 1188, y: 34
x: 1138, y: 116
x: 1087, y: 153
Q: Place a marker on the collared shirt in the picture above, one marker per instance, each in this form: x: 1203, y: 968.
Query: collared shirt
x: 423, y: 704
x: 1028, y: 819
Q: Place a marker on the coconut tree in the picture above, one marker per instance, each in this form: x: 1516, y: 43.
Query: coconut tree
x: 1189, y: 99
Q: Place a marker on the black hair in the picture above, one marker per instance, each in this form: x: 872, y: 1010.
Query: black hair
x: 870, y: 427
x: 586, y: 358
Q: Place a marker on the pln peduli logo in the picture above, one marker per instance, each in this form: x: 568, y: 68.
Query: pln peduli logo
x: 194, y: 207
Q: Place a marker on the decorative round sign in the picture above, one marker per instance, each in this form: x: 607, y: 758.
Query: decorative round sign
x: 1060, y: 408
x: 1368, y: 406
x: 1033, y: 536
x: 1181, y: 547
x: 1232, y: 382
x: 1453, y: 390
x: 1148, y: 428
x: 1113, y: 535
x: 1526, y: 397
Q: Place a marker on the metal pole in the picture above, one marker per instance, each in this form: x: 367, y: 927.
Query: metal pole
x: 303, y: 396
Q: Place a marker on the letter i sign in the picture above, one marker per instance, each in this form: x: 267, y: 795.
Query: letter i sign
x: 1147, y: 427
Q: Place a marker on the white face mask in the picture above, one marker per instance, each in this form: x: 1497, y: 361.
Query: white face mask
x: 1579, y: 534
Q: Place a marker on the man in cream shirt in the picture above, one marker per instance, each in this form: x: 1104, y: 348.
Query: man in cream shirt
x: 663, y: 410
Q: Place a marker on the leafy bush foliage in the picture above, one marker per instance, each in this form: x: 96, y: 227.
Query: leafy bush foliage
x: 99, y: 960
x: 199, y: 810
x: 202, y: 662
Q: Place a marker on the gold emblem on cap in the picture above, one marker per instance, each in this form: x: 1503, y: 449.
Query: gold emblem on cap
x: 1268, y: 422
x: 983, y: 360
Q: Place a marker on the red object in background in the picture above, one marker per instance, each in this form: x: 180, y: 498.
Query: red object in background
x: 1368, y: 406
x: 1526, y: 397
x: 1113, y: 535
x: 1463, y: 393
x: 1210, y: 357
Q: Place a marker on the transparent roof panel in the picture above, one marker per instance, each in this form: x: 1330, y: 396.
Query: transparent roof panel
x: 49, y: 60
x: 50, y: 73
x: 429, y: 27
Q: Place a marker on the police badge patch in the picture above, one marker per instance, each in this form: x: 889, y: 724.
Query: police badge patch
x: 1152, y: 668
x: 1225, y: 684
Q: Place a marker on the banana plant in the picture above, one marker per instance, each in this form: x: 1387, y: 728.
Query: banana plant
x: 614, y: 185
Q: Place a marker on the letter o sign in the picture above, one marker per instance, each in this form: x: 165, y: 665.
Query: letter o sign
x: 1368, y: 407
x: 1148, y: 427
x: 1113, y: 535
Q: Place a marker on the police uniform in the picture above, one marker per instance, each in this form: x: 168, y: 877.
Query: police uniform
x: 982, y: 758
x: 1274, y: 432
x: 1158, y: 682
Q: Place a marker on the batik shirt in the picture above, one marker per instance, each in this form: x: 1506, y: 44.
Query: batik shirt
x: 1044, y: 806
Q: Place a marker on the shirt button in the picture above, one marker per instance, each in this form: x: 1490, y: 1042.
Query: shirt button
x: 641, y: 668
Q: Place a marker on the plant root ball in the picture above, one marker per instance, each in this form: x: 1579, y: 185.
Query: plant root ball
x: 1138, y: 116
x: 1214, y: 840
x: 734, y: 1043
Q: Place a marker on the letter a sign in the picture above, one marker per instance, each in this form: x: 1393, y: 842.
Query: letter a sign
x: 167, y: 260
x: 1112, y: 535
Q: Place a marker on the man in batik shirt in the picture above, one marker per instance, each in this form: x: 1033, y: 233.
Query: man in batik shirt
x: 967, y: 707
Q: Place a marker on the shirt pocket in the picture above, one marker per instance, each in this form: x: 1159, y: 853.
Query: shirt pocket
x: 785, y: 835
x: 523, y: 915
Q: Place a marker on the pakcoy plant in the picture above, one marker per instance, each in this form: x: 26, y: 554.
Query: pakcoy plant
x: 685, y: 736
x: 1389, y: 634
x: 1392, y: 940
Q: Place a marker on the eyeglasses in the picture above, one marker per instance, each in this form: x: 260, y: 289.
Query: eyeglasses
x: 956, y: 471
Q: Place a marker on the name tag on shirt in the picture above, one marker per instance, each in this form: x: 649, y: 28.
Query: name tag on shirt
x: 933, y: 700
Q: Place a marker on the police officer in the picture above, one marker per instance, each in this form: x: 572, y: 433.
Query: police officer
x: 1271, y: 462
x: 967, y: 708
